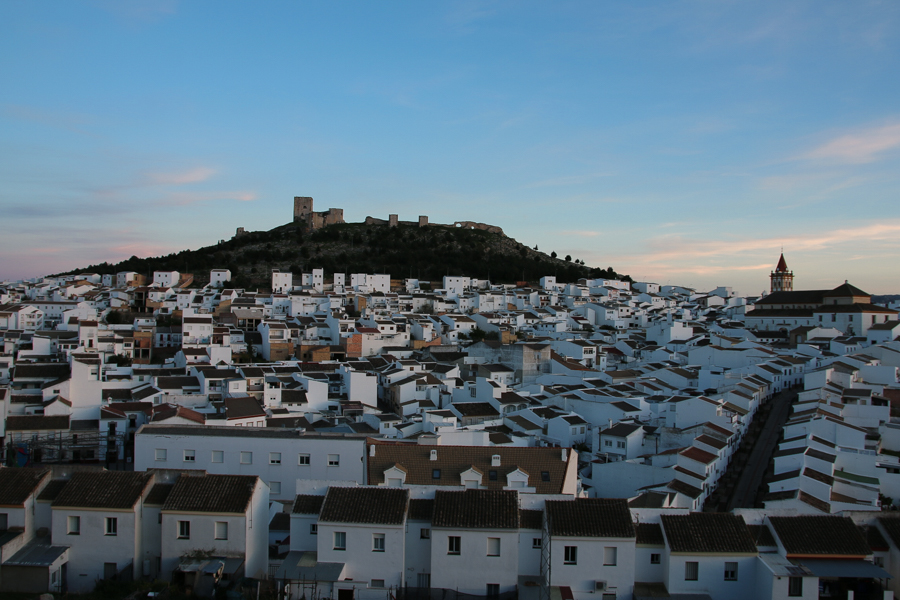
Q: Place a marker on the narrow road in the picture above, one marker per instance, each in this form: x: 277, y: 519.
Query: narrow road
x: 751, y: 477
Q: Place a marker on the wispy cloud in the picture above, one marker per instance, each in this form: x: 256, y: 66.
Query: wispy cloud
x: 188, y: 198
x: 673, y: 254
x: 859, y: 147
x: 195, y: 175
x: 582, y: 233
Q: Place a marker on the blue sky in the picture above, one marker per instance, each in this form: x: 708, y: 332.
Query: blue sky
x: 678, y: 142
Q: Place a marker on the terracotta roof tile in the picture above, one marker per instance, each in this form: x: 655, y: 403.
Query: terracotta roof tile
x: 590, y: 517
x: 211, y: 493
x: 649, y: 534
x: 376, y: 505
x: 452, y: 461
x: 819, y: 536
x: 305, y: 504
x: 478, y: 509
x: 103, y: 489
x: 720, y: 533
x: 17, y: 484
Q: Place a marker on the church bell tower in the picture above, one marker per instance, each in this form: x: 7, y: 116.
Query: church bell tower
x: 782, y: 278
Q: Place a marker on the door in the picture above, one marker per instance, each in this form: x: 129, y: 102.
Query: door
x: 109, y: 570
x: 345, y: 594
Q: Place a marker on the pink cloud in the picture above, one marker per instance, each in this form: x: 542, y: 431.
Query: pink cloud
x: 859, y: 147
x: 195, y: 175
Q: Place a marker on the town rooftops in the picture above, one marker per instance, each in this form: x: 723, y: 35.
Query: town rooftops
x: 590, y: 517
x: 250, y: 432
x: 545, y: 466
x: 16, y: 485
x: 103, y: 489
x: 306, y: 504
x: 476, y: 509
x: 211, y: 493
x: 819, y: 536
x: 719, y: 533
x: 369, y: 505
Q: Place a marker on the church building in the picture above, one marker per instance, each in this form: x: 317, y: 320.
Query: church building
x: 845, y: 308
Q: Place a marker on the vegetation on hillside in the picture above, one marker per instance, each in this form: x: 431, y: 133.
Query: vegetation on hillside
x: 427, y: 253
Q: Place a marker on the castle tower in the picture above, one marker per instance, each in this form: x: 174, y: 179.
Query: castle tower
x: 303, y: 208
x: 782, y: 279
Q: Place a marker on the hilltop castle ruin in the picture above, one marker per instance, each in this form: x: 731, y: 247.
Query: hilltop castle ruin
x: 304, y: 213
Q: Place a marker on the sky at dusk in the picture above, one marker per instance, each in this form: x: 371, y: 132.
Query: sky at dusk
x: 678, y: 142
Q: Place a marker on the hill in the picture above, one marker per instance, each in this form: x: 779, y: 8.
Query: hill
x: 426, y: 253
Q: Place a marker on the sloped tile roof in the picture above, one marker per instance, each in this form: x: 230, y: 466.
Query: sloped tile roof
x: 375, y: 505
x: 892, y: 527
x: 103, y: 489
x: 17, y: 484
x: 809, y: 535
x: 159, y: 493
x: 531, y: 519
x: 52, y: 489
x: 421, y: 509
x: 719, y: 533
x: 306, y: 504
x: 590, y: 517
x: 452, y: 461
x: 476, y: 509
x: 762, y: 535
x: 211, y: 493
x: 650, y: 534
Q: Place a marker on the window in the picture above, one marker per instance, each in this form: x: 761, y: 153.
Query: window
x: 435, y: 473
x: 334, y: 460
x: 340, y: 540
x: 275, y: 487
x: 493, y: 546
x: 607, y: 443
x: 545, y: 476
x: 159, y: 454
x: 654, y: 559
x: 691, y: 571
x: 246, y: 458
x: 377, y: 583
x: 313, y: 529
x: 184, y: 530
x: 731, y: 571
x: 493, y: 590
x: 424, y: 534
x: 189, y: 455
x: 111, y: 526
x: 536, y: 543
x: 218, y: 456
x: 453, y: 544
x: 795, y: 587
x: 221, y: 530
x: 303, y: 459
x: 570, y: 556
x: 73, y: 525
x: 274, y: 458
x: 377, y: 542
x: 4, y: 521
x: 610, y: 556
x: 492, y: 475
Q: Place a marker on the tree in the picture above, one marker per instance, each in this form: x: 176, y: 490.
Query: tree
x: 553, y: 254
x: 477, y: 335
x: 568, y: 258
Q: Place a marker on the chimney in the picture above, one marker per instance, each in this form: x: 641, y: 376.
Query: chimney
x: 565, y: 455
x: 495, y: 460
x: 434, y: 455
x: 372, y: 450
